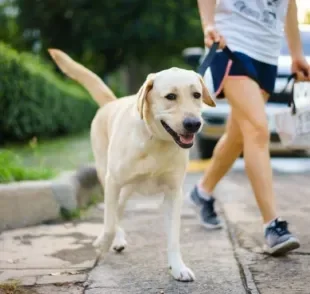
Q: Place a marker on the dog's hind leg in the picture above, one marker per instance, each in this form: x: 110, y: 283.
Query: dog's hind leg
x: 112, y: 192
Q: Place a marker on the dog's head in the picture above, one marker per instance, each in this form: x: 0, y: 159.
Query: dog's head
x: 173, y: 100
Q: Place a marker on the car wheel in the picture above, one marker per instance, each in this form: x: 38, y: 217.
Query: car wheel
x: 205, y: 147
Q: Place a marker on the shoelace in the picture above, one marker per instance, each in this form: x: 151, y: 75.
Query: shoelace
x: 279, y: 228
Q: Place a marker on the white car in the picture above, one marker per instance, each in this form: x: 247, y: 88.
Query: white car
x: 215, y: 118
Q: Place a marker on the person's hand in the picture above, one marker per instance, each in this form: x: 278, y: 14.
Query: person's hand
x: 212, y: 35
x: 301, y: 67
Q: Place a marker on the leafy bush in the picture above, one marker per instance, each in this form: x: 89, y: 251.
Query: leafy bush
x: 34, y: 101
x: 12, y: 169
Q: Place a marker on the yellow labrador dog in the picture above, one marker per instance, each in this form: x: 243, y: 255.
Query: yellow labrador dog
x: 141, y: 145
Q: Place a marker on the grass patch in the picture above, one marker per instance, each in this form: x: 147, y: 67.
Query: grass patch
x: 69, y: 215
x: 12, y: 169
x: 14, y: 287
x: 94, y: 199
x: 59, y: 154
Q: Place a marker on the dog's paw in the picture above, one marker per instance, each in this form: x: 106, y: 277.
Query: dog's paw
x: 103, y: 242
x: 119, y: 243
x: 119, y: 246
x: 183, y: 274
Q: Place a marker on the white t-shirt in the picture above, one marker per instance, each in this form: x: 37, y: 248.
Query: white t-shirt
x: 253, y: 27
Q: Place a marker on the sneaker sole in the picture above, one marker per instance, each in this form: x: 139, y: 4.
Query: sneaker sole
x: 196, y: 207
x: 209, y: 226
x: 283, y: 248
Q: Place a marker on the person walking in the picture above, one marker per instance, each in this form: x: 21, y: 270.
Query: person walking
x: 253, y: 30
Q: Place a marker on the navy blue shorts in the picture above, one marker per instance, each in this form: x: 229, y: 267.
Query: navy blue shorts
x: 221, y: 67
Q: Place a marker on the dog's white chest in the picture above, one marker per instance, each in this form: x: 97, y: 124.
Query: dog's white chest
x: 160, y: 159
x: 151, y: 160
x: 148, y: 186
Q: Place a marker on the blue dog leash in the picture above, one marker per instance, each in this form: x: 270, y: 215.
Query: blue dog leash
x: 205, y: 64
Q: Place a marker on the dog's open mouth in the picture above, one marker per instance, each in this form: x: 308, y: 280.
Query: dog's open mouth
x: 183, y: 140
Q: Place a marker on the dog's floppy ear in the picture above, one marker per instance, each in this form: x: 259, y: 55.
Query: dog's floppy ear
x: 206, y: 95
x: 142, y: 94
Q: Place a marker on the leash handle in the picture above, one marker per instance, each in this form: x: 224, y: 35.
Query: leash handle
x: 291, y: 101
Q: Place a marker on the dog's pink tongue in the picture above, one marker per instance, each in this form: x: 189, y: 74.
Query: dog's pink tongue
x: 187, y: 139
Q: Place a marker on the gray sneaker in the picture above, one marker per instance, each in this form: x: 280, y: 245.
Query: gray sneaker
x: 207, y: 214
x: 279, y: 240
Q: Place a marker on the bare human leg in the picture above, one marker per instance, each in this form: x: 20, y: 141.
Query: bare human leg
x: 248, y: 104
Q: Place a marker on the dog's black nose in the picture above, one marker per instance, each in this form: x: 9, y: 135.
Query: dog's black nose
x: 191, y: 124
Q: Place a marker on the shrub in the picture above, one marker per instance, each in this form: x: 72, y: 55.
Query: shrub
x: 34, y: 101
x: 12, y: 169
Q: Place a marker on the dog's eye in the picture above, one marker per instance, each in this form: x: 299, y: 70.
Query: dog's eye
x: 196, y: 95
x: 171, y: 96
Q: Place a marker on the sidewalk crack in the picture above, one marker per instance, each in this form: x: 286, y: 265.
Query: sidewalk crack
x: 244, y: 271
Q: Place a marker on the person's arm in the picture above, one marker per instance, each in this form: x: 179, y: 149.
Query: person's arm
x: 300, y: 65
x: 292, y: 31
x: 206, y: 11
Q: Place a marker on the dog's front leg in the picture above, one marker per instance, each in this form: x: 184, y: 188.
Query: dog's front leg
x: 173, y: 205
x: 111, y: 197
x: 120, y: 242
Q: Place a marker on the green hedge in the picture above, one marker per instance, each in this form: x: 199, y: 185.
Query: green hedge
x: 34, y: 101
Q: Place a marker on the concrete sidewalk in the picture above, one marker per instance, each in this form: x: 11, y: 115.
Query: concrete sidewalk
x: 283, y: 275
x: 60, y: 259
x: 58, y: 254
x: 142, y: 268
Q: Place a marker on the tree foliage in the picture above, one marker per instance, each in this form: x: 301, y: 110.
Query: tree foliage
x: 106, y: 34
x: 9, y: 29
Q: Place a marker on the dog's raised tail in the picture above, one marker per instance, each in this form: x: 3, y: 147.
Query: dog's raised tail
x: 91, y: 82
